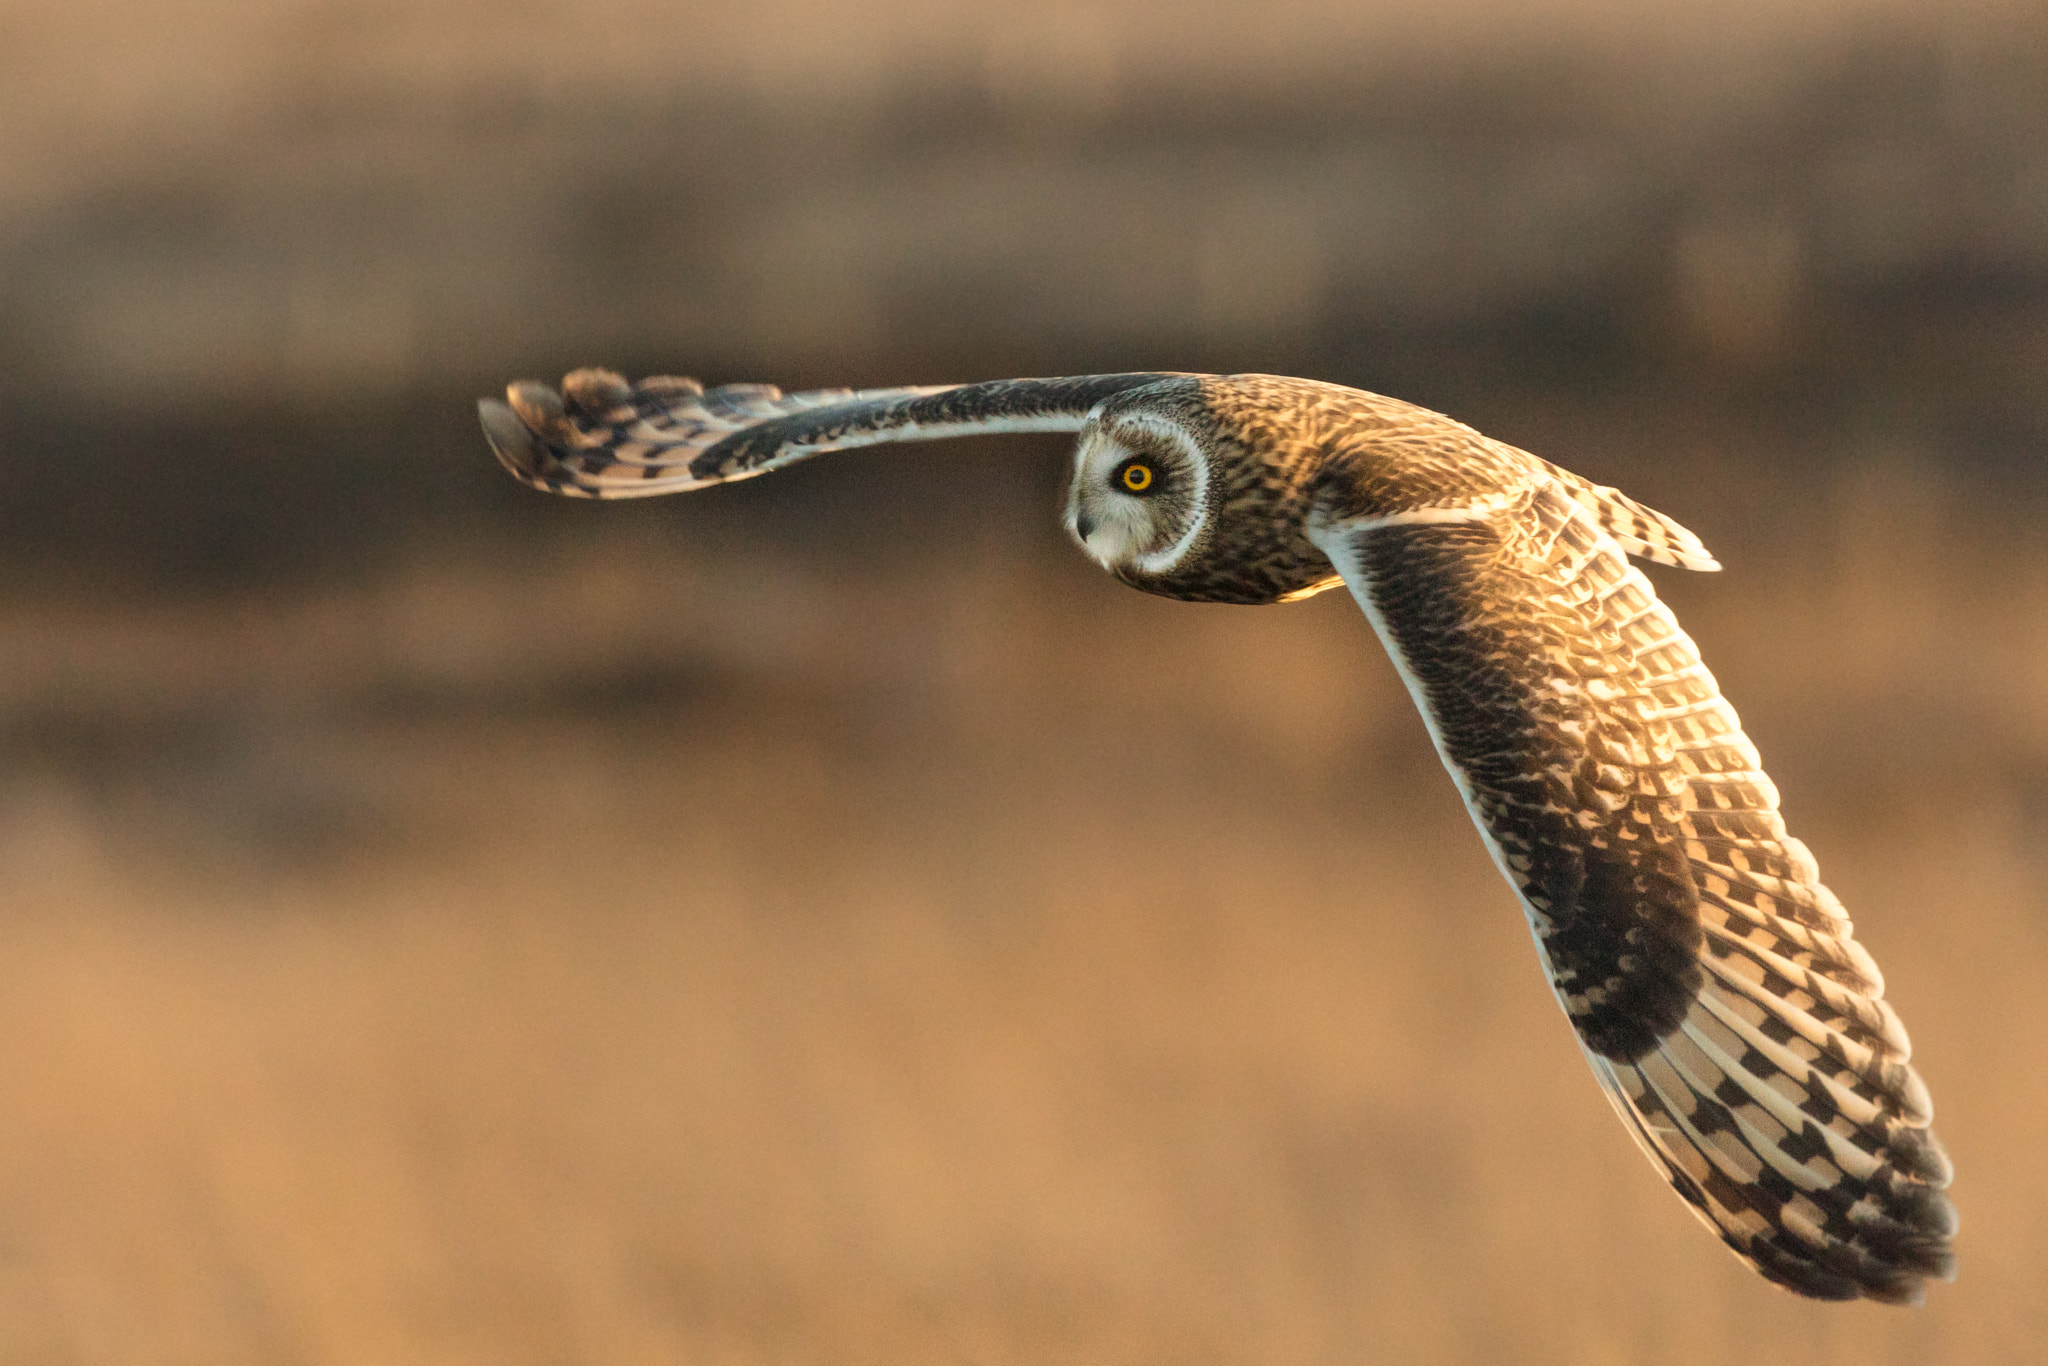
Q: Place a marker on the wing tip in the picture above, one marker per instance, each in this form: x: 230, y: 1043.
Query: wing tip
x: 550, y: 439
x: 515, y: 444
x: 1903, y: 1283
x: 1881, y: 1234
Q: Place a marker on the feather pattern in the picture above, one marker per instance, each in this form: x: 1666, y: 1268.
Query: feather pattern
x: 1638, y: 530
x: 600, y: 437
x: 1732, y: 1019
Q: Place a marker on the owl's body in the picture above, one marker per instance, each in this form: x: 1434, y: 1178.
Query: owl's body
x: 1735, y: 1024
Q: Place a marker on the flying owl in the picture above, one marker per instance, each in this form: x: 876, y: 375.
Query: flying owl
x: 1737, y: 1027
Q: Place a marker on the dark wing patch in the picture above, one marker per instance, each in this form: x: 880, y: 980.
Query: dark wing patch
x: 1542, y: 724
x: 1714, y: 981
x: 601, y: 437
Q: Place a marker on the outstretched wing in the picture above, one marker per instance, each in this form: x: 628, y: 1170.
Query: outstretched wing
x: 1735, y: 1024
x: 601, y: 437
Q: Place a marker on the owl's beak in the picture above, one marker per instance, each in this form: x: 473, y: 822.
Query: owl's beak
x: 1084, y: 525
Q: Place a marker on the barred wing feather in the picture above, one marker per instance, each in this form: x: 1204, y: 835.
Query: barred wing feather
x: 1732, y: 1019
x: 600, y: 437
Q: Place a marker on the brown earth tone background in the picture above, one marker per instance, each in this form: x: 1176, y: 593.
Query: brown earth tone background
x: 825, y: 921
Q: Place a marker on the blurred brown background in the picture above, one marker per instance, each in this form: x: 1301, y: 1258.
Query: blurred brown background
x: 825, y: 920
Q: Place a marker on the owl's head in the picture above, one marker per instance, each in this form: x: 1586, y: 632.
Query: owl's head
x: 1173, y: 496
x: 1140, y: 495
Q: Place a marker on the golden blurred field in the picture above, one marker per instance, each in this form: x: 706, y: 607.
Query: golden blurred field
x: 646, y: 953
x: 825, y: 921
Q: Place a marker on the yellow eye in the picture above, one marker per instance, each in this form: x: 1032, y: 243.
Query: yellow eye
x: 1136, y: 476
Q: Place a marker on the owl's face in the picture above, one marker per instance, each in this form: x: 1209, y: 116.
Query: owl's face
x: 1140, y: 496
x: 1172, y: 497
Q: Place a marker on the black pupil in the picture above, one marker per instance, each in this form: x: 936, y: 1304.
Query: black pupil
x: 1137, y: 476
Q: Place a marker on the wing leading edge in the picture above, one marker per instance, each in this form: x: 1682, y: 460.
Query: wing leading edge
x: 600, y: 437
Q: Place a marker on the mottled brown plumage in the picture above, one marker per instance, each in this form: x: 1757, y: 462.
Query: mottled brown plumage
x: 1712, y: 979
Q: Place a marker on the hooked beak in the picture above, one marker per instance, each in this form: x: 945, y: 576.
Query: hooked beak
x: 1084, y: 525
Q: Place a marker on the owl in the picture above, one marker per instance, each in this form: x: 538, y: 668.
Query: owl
x: 1713, y: 982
